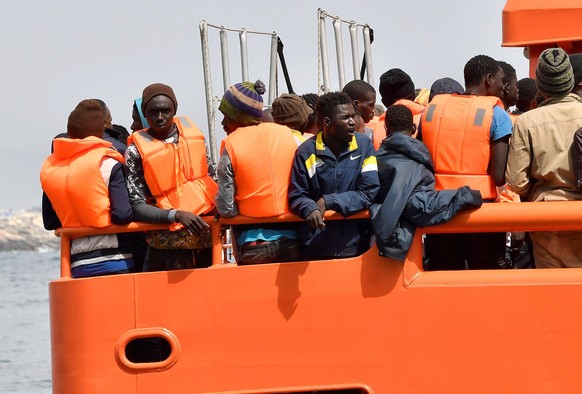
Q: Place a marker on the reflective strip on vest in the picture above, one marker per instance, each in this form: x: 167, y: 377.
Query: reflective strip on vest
x: 456, y: 130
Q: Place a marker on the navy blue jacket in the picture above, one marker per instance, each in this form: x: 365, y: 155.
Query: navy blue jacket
x: 348, y: 184
x: 407, y: 195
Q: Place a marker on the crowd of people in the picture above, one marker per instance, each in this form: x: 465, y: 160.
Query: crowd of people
x: 431, y: 154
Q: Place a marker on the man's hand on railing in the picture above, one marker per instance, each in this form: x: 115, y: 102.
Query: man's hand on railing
x: 315, y: 219
x: 193, y: 223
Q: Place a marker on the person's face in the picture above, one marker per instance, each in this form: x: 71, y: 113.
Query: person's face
x: 340, y: 127
x: 136, y: 125
x: 495, y: 82
x: 366, y: 106
x: 510, y: 92
x: 228, y: 125
x: 160, y: 112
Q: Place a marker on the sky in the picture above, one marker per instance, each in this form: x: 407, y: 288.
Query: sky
x: 55, y: 54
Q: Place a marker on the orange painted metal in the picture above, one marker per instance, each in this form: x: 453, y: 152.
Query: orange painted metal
x: 541, y: 24
x: 367, y: 322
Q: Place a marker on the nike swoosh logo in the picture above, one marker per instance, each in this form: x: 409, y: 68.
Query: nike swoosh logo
x: 354, y: 157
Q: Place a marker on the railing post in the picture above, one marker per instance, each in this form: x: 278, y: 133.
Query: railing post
x: 208, y: 91
x: 65, y: 256
x: 216, y: 243
x: 224, y: 55
x: 368, y: 54
x: 323, y: 52
x: 339, y: 49
x: 244, y: 56
x: 355, y: 51
x: 273, y: 69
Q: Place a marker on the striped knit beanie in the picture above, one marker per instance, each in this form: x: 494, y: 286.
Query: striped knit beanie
x: 554, y: 75
x: 243, y: 103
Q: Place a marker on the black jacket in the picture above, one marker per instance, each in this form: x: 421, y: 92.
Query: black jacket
x: 407, y: 196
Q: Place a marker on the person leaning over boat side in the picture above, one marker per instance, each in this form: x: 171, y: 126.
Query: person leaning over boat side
x: 83, y: 180
x: 254, y: 171
x: 396, y: 87
x: 175, y: 179
x: 467, y: 136
x: 335, y: 170
x: 540, y: 165
x: 407, y: 196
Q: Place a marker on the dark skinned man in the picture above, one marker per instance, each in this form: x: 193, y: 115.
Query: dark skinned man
x: 335, y: 170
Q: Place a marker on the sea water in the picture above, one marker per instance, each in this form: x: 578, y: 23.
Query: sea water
x: 25, y: 359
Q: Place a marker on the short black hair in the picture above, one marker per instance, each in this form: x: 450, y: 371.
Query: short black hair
x: 478, y: 68
x: 311, y: 100
x: 399, y: 118
x: 358, y: 89
x: 327, y: 103
x: 527, y: 93
x: 508, y: 70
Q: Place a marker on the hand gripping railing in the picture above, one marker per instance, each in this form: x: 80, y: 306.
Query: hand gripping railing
x: 322, y: 52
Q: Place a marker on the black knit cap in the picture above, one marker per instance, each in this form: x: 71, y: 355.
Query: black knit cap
x: 554, y: 75
x: 445, y: 86
x: 86, y: 120
x: 395, y: 84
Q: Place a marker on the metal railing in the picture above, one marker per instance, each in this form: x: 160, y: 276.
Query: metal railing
x: 323, y: 75
x: 493, y: 217
x: 210, y: 98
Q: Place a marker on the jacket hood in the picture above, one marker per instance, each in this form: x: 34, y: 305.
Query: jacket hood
x: 410, y: 147
x: 65, y: 148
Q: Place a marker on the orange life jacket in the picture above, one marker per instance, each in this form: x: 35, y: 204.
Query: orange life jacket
x: 379, y: 128
x: 71, y: 178
x: 513, y: 117
x: 261, y: 157
x: 457, y: 131
x: 177, y: 174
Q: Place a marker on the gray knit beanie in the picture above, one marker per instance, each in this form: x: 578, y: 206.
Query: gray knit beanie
x: 554, y: 75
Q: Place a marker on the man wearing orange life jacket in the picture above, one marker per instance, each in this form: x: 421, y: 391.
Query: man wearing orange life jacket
x: 255, y: 168
x: 167, y: 165
x: 83, y: 180
x: 467, y: 136
x: 396, y: 87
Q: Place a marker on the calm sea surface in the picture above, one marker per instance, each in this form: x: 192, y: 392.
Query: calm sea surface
x: 25, y: 358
